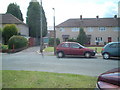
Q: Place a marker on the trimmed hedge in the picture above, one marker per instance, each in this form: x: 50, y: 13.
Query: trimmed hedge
x: 17, y: 42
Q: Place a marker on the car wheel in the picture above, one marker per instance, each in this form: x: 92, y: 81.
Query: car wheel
x: 106, y: 56
x: 60, y: 54
x: 87, y: 54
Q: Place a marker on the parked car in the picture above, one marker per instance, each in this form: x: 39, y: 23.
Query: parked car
x: 109, y: 80
x: 111, y: 50
x: 73, y: 48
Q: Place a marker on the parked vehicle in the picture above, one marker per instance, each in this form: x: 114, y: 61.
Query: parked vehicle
x: 73, y: 48
x: 111, y: 50
x: 109, y: 80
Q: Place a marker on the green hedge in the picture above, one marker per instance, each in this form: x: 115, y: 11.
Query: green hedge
x: 51, y: 41
x: 17, y: 42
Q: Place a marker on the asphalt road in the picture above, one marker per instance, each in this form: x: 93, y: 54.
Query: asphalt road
x: 30, y: 60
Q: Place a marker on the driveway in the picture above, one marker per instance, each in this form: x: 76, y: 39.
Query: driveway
x: 30, y: 60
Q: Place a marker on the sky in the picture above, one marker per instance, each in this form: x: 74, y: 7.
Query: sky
x: 66, y: 9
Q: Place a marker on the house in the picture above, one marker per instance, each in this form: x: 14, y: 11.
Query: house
x: 99, y: 31
x: 10, y: 19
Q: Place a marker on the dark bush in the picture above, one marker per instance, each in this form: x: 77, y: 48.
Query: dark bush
x: 17, y: 42
x: 72, y: 40
x: 51, y: 41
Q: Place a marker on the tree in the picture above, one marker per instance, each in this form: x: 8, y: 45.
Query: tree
x: 9, y: 31
x: 14, y: 9
x: 33, y: 20
x: 82, y: 38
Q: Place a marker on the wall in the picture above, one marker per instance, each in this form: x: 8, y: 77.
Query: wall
x: 109, y: 32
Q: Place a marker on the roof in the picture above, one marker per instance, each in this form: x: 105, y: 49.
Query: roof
x: 10, y: 19
x: 90, y: 22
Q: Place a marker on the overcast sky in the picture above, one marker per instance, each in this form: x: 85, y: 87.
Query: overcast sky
x: 65, y: 9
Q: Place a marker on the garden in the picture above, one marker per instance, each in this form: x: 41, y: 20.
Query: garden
x: 11, y: 39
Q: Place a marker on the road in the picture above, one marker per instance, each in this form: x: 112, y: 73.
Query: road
x: 30, y: 60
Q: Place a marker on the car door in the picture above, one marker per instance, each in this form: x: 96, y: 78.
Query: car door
x: 66, y: 48
x: 114, y: 49
x: 75, y: 49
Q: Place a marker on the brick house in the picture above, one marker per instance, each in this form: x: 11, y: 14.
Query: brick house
x: 98, y: 30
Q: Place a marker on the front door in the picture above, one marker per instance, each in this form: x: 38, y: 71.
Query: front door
x: 109, y: 39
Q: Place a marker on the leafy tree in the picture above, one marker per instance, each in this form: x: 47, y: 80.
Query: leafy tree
x: 33, y: 20
x: 8, y: 31
x: 82, y: 38
x: 14, y: 9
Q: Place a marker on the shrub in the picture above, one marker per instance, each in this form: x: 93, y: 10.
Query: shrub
x: 51, y: 41
x: 18, y: 42
x: 72, y: 40
x: 8, y: 31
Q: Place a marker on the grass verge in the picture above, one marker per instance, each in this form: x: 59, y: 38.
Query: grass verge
x: 36, y: 79
x: 99, y: 49
x: 49, y: 49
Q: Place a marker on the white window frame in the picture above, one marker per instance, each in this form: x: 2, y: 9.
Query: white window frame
x: 75, y: 29
x: 102, y: 28
x: 116, y: 28
x: 62, y: 29
x: 98, y: 39
x: 90, y: 29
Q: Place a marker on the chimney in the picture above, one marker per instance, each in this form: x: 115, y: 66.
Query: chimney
x: 97, y: 17
x: 115, y: 16
x: 80, y: 17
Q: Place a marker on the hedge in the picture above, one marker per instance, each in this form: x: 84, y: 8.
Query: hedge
x: 17, y: 42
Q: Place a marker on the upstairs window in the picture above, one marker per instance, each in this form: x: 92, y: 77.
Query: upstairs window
x: 62, y: 29
x: 90, y: 29
x: 116, y: 28
x: 75, y: 29
x: 102, y: 28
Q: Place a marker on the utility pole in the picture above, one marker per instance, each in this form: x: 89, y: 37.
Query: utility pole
x: 41, y: 39
x: 54, y: 31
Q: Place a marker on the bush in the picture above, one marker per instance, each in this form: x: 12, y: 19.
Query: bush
x: 18, y: 42
x: 8, y: 31
x: 72, y: 40
x: 51, y: 41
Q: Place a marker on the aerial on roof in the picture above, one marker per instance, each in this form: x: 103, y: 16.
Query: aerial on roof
x: 91, y: 22
x: 10, y: 19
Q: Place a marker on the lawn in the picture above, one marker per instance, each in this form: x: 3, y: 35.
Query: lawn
x: 49, y: 49
x: 36, y: 79
x: 99, y: 49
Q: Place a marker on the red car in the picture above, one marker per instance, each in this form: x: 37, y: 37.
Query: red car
x: 73, y: 48
x: 109, y: 80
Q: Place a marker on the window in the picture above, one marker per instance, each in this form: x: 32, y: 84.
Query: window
x: 72, y: 45
x: 75, y: 29
x: 62, y: 29
x: 102, y: 28
x: 90, y: 29
x: 116, y: 28
x: 98, y: 39
x: 115, y: 45
x: 65, y: 45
